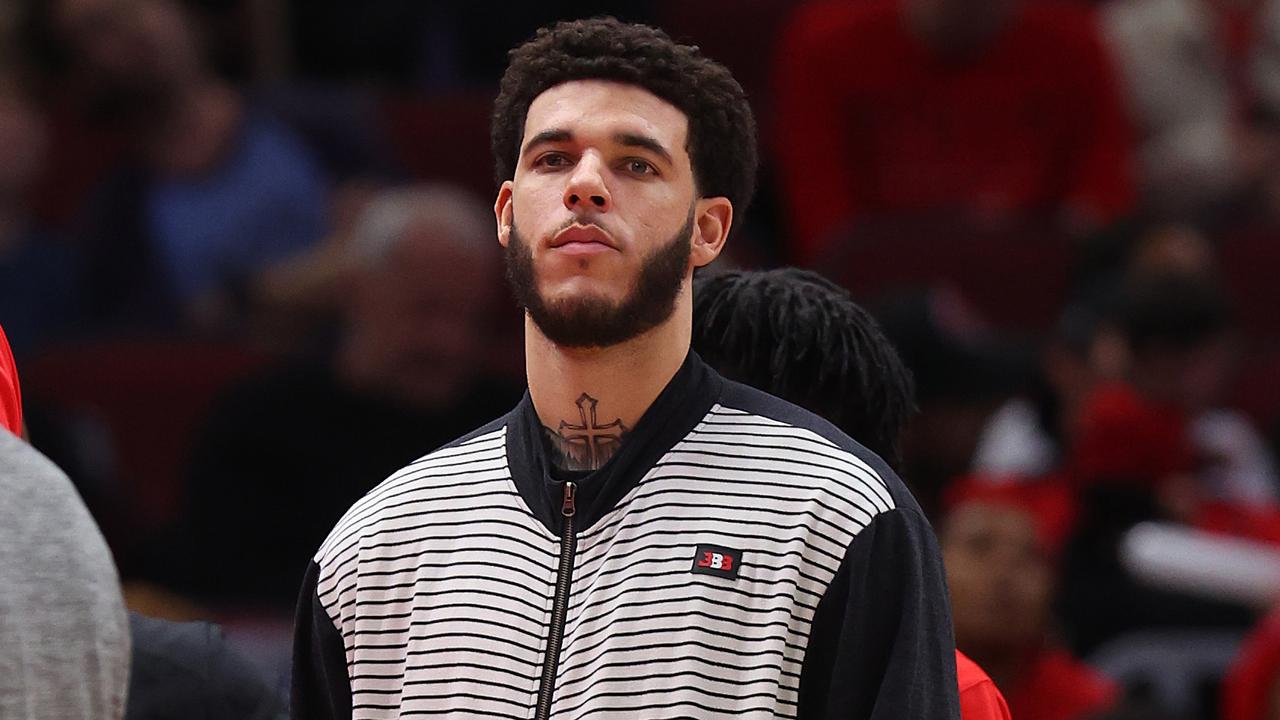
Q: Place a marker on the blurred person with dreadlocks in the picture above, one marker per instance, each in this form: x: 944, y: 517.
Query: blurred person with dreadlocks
x: 797, y: 335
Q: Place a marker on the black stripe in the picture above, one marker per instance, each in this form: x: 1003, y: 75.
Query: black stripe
x: 582, y: 637
x: 668, y: 629
x: 450, y: 591
x: 702, y: 691
x: 426, y: 623
x: 566, y: 668
x: 734, y: 514
x: 479, y: 636
x: 735, y: 667
x: 477, y: 666
x: 723, y: 469
x: 863, y: 476
x: 769, y: 709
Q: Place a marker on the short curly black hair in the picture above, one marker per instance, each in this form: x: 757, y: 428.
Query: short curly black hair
x: 722, y: 128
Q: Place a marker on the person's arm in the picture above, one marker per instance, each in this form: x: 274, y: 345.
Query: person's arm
x: 321, y: 688
x: 881, y: 645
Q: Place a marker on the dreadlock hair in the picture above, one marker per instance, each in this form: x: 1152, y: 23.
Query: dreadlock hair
x: 797, y: 335
x: 722, y: 128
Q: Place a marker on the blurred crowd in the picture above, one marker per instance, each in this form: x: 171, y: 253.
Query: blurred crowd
x: 248, y: 268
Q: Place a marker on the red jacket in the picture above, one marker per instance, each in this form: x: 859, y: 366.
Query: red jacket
x: 980, y: 699
x: 1056, y: 686
x: 871, y: 121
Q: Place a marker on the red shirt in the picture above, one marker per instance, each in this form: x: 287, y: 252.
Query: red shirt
x: 979, y: 697
x: 1059, y: 687
x: 871, y: 120
x: 10, y: 397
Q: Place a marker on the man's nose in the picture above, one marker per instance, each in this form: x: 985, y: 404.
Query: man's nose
x: 587, y: 189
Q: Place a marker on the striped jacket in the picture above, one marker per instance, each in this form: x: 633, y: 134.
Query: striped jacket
x: 738, y: 557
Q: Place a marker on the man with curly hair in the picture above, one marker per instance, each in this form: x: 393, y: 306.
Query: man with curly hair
x: 639, y: 537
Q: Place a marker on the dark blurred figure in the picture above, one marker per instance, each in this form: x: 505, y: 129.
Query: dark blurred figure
x: 186, y: 670
x: 1182, y: 347
x: 285, y: 454
x: 211, y: 192
x: 995, y: 110
x: 1026, y: 436
x: 1000, y: 543
x: 38, y: 271
x: 1202, y: 79
x: 964, y: 371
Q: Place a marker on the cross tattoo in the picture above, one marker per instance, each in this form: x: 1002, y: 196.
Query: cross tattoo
x: 590, y: 444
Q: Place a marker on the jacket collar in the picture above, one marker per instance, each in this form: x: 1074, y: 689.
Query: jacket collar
x: 677, y: 409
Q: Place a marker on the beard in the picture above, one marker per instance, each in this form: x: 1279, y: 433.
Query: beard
x: 595, y: 321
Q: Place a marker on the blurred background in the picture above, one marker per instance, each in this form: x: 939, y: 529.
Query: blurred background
x: 248, y: 268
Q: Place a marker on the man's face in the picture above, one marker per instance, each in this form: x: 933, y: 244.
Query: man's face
x: 598, y: 220
x: 999, y: 576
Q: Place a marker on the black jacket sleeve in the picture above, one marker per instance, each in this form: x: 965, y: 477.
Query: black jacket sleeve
x: 881, y: 646
x: 321, y: 688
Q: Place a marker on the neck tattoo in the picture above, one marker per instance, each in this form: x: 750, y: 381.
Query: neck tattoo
x: 589, y: 444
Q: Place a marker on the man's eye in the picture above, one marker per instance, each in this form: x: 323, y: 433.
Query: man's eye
x: 640, y: 167
x: 551, y: 160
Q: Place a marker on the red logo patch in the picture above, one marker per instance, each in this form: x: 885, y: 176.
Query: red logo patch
x: 714, y: 560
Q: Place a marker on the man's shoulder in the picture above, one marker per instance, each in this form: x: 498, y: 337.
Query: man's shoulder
x: 753, y: 418
x: 453, y: 470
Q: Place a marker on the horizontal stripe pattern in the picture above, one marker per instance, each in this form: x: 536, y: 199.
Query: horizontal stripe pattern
x: 646, y: 637
x: 441, y: 581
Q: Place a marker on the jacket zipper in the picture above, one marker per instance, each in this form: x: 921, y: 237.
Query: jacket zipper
x: 568, y: 544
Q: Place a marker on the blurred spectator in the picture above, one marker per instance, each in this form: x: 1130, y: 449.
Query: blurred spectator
x: 1251, y: 690
x: 64, y: 635
x: 1204, y: 84
x: 1131, y: 460
x: 964, y: 371
x: 286, y: 453
x: 38, y: 272
x: 1178, y: 332
x: 1000, y: 543
x: 997, y: 110
x: 214, y: 191
x: 1026, y: 435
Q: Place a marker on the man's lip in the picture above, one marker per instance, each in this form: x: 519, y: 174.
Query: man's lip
x: 583, y: 234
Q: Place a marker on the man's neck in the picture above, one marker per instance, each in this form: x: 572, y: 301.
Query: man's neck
x: 588, y: 400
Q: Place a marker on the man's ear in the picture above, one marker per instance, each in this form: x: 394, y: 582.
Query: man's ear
x: 502, y: 213
x: 712, y: 219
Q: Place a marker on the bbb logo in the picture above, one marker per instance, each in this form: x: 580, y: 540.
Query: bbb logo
x: 719, y: 561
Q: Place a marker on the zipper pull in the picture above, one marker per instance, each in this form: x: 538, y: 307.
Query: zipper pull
x: 568, y: 508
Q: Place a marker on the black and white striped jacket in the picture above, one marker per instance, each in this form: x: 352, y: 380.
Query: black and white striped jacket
x: 738, y: 557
